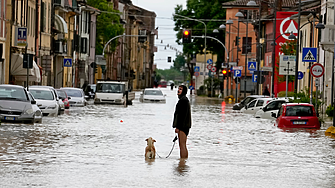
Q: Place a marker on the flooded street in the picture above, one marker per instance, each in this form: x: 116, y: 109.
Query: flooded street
x: 103, y: 146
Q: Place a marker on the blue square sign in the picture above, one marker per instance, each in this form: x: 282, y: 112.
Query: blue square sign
x: 309, y: 54
x: 237, y: 73
x: 252, y: 66
x: 254, y: 78
x: 68, y: 62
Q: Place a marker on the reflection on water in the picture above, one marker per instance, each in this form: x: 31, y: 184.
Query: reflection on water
x: 103, y: 146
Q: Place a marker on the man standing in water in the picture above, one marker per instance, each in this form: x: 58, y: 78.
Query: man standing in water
x: 182, y: 120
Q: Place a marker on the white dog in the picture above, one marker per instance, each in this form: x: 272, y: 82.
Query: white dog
x: 150, y: 151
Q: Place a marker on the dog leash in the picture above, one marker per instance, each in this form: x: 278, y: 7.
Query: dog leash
x: 174, y: 142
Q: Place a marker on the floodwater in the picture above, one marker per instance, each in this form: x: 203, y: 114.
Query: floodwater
x: 103, y: 146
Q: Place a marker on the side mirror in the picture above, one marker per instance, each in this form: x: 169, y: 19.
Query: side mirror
x: 39, y: 105
x: 33, y: 102
x: 68, y: 98
x: 164, y: 95
x: 273, y: 115
x: 246, y: 107
x: 86, y: 97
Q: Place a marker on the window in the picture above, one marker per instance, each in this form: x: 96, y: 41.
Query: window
x: 252, y: 104
x: 84, y: 45
x: 260, y: 103
x: 246, y: 48
x: 269, y: 39
x: 299, y: 111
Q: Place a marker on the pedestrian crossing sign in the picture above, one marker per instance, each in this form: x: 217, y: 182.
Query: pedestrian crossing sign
x: 67, y: 62
x: 309, y: 54
x: 252, y: 66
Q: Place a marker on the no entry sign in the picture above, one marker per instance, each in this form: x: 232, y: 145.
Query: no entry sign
x: 317, y: 70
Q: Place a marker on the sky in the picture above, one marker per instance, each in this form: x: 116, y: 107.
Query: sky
x: 164, y: 10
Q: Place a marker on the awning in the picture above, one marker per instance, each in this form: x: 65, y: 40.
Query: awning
x: 20, y: 73
x: 60, y: 24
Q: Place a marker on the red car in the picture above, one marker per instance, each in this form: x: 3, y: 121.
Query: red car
x: 297, y: 115
x: 62, y: 95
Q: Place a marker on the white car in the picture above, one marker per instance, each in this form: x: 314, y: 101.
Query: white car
x: 270, y: 108
x: 61, y: 106
x: 255, y: 105
x: 152, y: 95
x: 77, y: 95
x: 46, y: 100
x: 37, y: 110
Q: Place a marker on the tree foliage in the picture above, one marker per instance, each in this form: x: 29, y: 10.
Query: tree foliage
x: 206, y: 11
x: 108, y: 24
x: 170, y: 74
x: 179, y: 62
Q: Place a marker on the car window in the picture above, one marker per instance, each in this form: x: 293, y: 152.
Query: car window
x: 42, y: 94
x: 153, y: 92
x: 299, y: 111
x: 252, y: 104
x: 260, y: 103
x: 110, y: 88
x: 280, y: 111
x: 272, y: 106
x: 247, y: 100
x: 73, y: 92
x: 12, y: 93
x: 61, y: 93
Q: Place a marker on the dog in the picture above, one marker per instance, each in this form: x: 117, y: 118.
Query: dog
x: 150, y: 150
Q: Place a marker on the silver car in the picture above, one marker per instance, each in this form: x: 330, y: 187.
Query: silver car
x: 37, y: 110
x: 15, y: 105
x: 78, y: 98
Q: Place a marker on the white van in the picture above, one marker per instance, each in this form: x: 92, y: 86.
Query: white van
x: 113, y: 92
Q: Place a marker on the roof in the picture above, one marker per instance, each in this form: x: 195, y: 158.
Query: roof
x: 10, y: 85
x: 298, y: 104
x: 286, y: 3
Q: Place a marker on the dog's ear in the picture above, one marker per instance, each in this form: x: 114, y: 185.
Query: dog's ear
x: 146, y: 139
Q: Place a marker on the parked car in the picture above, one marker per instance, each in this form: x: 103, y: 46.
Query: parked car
x: 272, y: 107
x: 63, y: 96
x: 15, y: 104
x: 245, y: 101
x: 255, y: 105
x: 60, y: 103
x: 89, y: 90
x: 37, y: 110
x: 297, y: 115
x: 152, y: 95
x: 46, y: 100
x: 77, y: 95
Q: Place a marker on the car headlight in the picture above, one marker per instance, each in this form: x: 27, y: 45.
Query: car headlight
x: 52, y: 107
x: 29, y: 111
x: 38, y: 113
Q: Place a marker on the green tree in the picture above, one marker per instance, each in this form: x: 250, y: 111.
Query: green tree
x: 108, y: 24
x: 208, y: 11
x: 179, y: 62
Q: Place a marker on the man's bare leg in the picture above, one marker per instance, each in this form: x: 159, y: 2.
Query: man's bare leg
x: 182, y: 144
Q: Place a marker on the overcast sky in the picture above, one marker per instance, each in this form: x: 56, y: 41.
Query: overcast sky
x: 164, y: 10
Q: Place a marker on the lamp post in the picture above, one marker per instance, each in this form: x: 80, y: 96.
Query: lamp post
x: 229, y: 22
x: 238, y: 15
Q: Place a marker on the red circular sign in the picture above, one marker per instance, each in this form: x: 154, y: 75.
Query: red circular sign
x: 209, y: 67
x: 196, y: 74
x: 317, y: 70
x: 213, y: 69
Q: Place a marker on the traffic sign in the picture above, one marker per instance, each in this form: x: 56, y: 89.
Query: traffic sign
x: 196, y: 69
x: 237, y: 73
x: 252, y: 66
x: 237, y: 68
x: 213, y: 69
x: 317, y: 70
x: 196, y: 74
x: 287, y: 65
x: 309, y: 54
x: 191, y: 88
x: 209, y: 67
x: 300, y: 75
x: 210, y: 61
x: 254, y: 78
x: 67, y: 62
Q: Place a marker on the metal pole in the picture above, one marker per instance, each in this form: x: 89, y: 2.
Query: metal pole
x: 259, y: 50
x: 274, y: 50
x: 288, y: 66
x: 297, y: 52
x: 238, y: 35
x: 246, y: 57
x: 316, y: 95
x: 310, y: 75
x: 27, y: 59
x: 228, y: 62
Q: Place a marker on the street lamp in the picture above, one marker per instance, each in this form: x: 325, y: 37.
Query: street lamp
x: 229, y: 22
x: 238, y: 15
